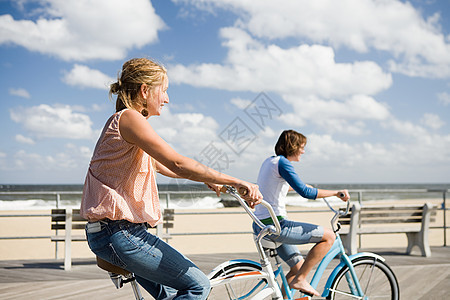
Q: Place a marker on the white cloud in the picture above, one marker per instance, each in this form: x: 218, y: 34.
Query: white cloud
x: 307, y: 77
x: 240, y: 103
x: 82, y: 76
x: 20, y: 93
x: 432, y: 121
x: 302, y: 70
x: 70, y: 157
x: 405, y: 128
x: 444, y: 98
x: 83, y: 30
x: 418, y: 46
x: 189, y: 133
x: 23, y: 139
x: 58, y: 121
x: 348, y: 116
x: 326, y: 158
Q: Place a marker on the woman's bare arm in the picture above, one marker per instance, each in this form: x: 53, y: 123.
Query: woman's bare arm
x: 135, y: 129
x: 342, y: 194
x: 163, y: 170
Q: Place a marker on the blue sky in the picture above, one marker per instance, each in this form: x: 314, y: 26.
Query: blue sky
x: 368, y: 82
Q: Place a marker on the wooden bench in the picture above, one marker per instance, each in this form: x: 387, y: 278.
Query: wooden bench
x: 69, y: 219
x: 413, y: 220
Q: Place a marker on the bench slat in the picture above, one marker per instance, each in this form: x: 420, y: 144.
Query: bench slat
x: 63, y: 226
x: 387, y: 230
x: 384, y: 220
x: 392, y: 207
x: 75, y: 218
x: 59, y: 215
x: 59, y: 238
x: 388, y: 220
x: 389, y: 214
x: 365, y: 214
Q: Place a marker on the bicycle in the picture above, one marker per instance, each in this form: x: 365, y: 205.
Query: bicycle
x: 360, y: 276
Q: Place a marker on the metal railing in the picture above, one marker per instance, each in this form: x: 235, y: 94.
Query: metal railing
x: 360, y: 193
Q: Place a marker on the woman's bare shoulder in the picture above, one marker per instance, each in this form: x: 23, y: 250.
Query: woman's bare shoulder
x: 131, y: 113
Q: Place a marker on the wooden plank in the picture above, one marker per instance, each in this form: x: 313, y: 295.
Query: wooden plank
x: 62, y: 226
x: 75, y: 238
x: 393, y: 207
x: 59, y: 215
x: 375, y: 230
x: 45, y: 279
x: 389, y: 221
x: 391, y: 214
x: 168, y: 217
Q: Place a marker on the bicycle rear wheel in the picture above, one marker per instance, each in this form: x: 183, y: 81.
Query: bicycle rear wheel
x: 248, y: 282
x: 376, y: 278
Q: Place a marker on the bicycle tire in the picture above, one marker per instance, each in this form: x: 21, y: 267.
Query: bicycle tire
x: 242, y: 289
x: 376, y: 278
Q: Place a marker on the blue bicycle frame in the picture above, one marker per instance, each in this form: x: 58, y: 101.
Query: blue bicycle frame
x: 336, y: 250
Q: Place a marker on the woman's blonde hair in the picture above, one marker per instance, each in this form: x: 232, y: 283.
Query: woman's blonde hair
x: 136, y: 72
x: 289, y: 143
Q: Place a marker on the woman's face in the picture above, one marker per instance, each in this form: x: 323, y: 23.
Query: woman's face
x: 157, y: 98
x: 296, y: 156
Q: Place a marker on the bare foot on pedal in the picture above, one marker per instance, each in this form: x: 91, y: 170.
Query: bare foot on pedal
x: 303, y: 286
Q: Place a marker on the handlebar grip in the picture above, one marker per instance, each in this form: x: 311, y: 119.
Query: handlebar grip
x: 243, y: 191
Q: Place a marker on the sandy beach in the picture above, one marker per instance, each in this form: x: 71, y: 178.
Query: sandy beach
x: 189, y: 244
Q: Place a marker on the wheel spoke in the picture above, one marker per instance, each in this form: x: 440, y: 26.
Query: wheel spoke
x: 376, y: 279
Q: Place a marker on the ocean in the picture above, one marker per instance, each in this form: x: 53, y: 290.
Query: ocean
x: 197, y: 196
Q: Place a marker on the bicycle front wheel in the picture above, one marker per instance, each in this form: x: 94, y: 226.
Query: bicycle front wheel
x: 375, y: 277
x: 239, y: 280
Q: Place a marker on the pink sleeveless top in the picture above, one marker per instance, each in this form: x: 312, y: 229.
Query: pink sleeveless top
x: 120, y: 183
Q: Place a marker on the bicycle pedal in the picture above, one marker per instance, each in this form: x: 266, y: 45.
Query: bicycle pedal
x: 116, y: 279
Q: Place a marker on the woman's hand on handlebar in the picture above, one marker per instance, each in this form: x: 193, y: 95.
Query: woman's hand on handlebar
x: 343, y: 195
x: 214, y: 187
x: 250, y: 192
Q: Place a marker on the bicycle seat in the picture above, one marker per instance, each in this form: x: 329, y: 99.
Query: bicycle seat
x: 268, y: 244
x: 109, y: 267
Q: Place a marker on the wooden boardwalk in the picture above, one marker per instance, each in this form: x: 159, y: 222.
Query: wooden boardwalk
x: 419, y: 277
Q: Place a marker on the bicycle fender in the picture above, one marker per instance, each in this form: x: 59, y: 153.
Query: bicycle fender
x: 339, y: 267
x: 232, y: 262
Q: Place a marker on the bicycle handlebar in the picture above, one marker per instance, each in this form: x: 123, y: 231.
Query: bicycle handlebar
x: 232, y: 191
x: 337, y: 213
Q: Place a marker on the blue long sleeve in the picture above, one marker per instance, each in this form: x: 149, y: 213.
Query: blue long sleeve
x: 287, y: 171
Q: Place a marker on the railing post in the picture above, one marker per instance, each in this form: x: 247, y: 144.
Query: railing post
x: 445, y: 216
x: 359, y: 220
x: 68, y: 241
x: 58, y: 200
x: 167, y: 206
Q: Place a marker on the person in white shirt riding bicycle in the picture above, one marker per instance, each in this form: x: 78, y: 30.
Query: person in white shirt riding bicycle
x: 276, y: 177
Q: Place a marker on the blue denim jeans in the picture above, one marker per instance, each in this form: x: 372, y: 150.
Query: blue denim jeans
x: 159, y: 268
x: 293, y: 233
